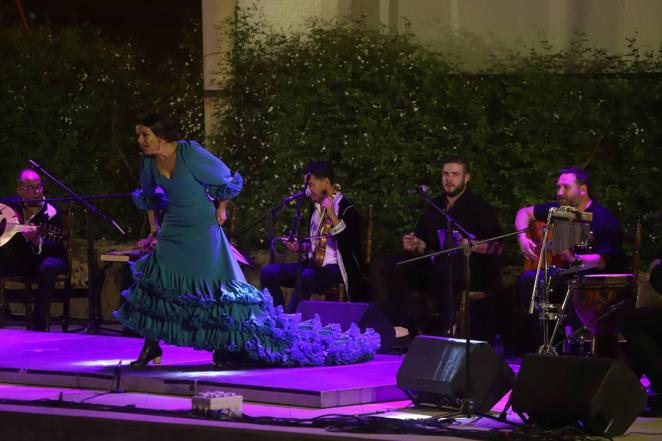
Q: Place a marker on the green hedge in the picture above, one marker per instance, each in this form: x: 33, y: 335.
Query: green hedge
x: 385, y: 109
x: 69, y: 99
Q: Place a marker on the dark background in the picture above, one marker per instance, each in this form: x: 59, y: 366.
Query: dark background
x: 153, y: 24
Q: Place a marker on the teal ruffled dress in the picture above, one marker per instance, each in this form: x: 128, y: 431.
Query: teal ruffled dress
x: 191, y: 292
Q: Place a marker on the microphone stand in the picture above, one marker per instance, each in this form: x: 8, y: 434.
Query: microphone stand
x: 69, y: 199
x: 271, y: 214
x: 94, y: 309
x: 467, y: 404
x: 296, y: 226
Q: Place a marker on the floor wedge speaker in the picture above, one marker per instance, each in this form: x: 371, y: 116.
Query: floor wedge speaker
x: 365, y: 315
x: 601, y: 395
x: 434, y: 372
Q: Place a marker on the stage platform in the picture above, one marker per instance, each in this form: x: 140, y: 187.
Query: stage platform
x: 68, y: 386
x: 91, y: 361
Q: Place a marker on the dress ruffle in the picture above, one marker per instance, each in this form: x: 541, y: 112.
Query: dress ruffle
x: 234, y: 316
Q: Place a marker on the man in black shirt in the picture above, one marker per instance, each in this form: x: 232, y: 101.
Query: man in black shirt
x: 30, y: 254
x: 440, y: 280
x: 573, y: 189
x: 606, y: 254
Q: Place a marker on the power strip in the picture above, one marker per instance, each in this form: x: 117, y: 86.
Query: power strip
x: 218, y: 400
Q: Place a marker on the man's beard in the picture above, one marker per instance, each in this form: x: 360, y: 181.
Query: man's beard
x: 459, y: 189
x: 565, y: 202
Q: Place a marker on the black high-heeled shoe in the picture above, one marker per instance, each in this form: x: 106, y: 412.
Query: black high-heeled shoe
x: 151, y: 351
x: 217, y: 359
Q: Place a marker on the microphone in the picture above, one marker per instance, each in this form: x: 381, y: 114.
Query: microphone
x: 653, y: 216
x: 419, y: 189
x: 297, y: 195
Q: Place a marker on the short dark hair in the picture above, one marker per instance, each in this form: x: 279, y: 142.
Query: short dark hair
x: 320, y: 169
x: 162, y: 125
x: 581, y: 176
x: 456, y: 159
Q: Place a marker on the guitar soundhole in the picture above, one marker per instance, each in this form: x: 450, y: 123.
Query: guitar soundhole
x: 3, y: 225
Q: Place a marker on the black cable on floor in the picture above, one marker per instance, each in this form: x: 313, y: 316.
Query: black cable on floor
x: 367, y: 423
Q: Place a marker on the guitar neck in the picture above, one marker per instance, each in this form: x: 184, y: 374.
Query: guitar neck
x: 25, y: 228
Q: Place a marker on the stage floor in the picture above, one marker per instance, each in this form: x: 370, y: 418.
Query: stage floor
x: 91, y: 361
x: 49, y: 378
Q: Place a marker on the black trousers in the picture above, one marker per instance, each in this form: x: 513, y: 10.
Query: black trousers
x: 46, y: 271
x: 313, y: 279
x: 416, y: 295
x: 642, y: 327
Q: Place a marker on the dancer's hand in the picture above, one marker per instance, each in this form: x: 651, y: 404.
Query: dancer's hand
x: 147, y: 244
x: 221, y: 212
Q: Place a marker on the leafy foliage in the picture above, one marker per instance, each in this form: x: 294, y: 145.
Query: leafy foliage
x: 383, y: 107
x: 385, y: 110
x: 69, y: 100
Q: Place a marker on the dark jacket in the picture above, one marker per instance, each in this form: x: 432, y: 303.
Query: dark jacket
x: 350, y: 250
x: 21, y: 249
x: 479, y: 218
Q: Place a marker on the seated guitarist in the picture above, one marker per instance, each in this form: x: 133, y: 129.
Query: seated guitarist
x: 605, y: 256
x: 30, y: 254
x: 335, y: 254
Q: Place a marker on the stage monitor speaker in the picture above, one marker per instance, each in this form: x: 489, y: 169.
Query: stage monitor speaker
x: 434, y: 372
x: 365, y: 315
x: 602, y: 396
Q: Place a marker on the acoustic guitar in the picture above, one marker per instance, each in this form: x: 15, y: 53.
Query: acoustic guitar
x: 536, y: 233
x: 10, y: 225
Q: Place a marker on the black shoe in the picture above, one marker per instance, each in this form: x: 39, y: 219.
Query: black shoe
x: 217, y: 359
x: 151, y: 351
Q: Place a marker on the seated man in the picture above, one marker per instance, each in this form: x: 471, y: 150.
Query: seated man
x: 440, y: 280
x: 606, y: 254
x: 334, y: 254
x: 30, y: 254
x: 642, y: 327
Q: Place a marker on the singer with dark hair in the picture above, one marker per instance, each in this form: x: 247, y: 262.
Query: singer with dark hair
x: 422, y: 296
x: 190, y: 290
x: 333, y: 255
x: 29, y: 253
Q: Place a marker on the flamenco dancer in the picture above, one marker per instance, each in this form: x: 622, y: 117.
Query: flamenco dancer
x: 190, y: 290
